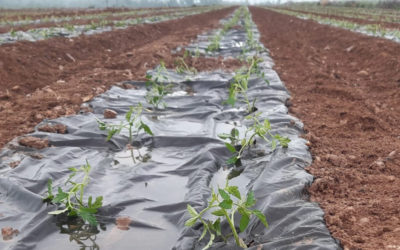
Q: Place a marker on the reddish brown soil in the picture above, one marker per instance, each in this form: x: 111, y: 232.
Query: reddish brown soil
x: 388, y: 25
x: 12, y: 15
x: 51, y: 78
x: 346, y: 89
x: 5, y: 29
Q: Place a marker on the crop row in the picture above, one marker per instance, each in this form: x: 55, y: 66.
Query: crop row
x: 372, y: 14
x: 92, y: 28
x: 367, y: 29
x: 103, y: 15
x: 226, y: 202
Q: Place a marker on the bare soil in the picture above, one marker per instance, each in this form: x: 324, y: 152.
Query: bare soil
x: 51, y: 78
x: 13, y: 15
x: 345, y: 87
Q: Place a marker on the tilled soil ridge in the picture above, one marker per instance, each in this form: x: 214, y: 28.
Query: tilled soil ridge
x: 51, y: 78
x: 345, y: 88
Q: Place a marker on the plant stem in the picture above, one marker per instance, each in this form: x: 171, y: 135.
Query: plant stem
x: 232, y: 226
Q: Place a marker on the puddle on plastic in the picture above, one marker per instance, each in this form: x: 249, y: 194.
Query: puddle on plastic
x: 130, y: 157
x: 236, y: 178
x: 178, y: 93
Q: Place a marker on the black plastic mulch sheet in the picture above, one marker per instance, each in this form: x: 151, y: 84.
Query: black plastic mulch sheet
x: 185, y: 159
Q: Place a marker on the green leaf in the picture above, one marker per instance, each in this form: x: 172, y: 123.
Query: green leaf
x: 192, y: 211
x: 226, y: 204
x: 234, y: 190
x: 224, y: 136
x: 129, y: 114
x: 267, y: 124
x: 230, y: 147
x: 261, y: 217
x: 232, y: 160
x: 190, y: 222
x: 203, y: 234
x: 231, y: 100
x: 273, y: 145
x: 284, y: 141
x: 50, y: 195
x: 61, y: 195
x: 219, y: 212
x: 224, y: 194
x: 145, y: 128
x: 250, y: 200
x: 97, y: 203
x: 217, y: 227
x: 244, y: 220
x: 235, y: 132
x: 87, y: 214
x: 58, y: 211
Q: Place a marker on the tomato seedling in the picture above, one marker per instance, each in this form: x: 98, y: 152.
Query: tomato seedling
x: 260, y: 129
x: 224, y: 204
x: 72, y: 198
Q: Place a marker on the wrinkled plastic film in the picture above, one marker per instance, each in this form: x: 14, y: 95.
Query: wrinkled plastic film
x: 185, y: 160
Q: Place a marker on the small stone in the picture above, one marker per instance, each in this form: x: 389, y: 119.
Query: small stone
x: 8, y: 233
x: 14, y: 164
x: 391, y: 155
x: 391, y: 178
x: 364, y: 220
x: 362, y: 73
x: 109, y: 114
x: 123, y: 222
x: 349, y: 49
x: 15, y: 88
x: 352, y: 157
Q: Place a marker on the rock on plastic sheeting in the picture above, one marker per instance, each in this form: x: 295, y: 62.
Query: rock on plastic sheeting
x: 185, y: 161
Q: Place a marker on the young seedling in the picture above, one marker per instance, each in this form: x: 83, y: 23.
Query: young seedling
x: 258, y: 129
x: 157, y: 88
x: 240, y: 84
x: 224, y: 204
x: 13, y: 33
x: 214, y: 45
x: 197, y: 53
x: 133, y: 122
x: 182, y: 67
x: 72, y: 198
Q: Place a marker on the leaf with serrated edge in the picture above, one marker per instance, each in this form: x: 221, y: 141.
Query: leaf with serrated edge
x: 88, y: 216
x: 190, y: 222
x: 219, y: 212
x: 226, y: 204
x: 261, y: 217
x: 250, y: 201
x: 224, y: 194
x: 234, y: 190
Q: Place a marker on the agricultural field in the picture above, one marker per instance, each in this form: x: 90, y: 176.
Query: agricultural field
x: 200, y: 127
